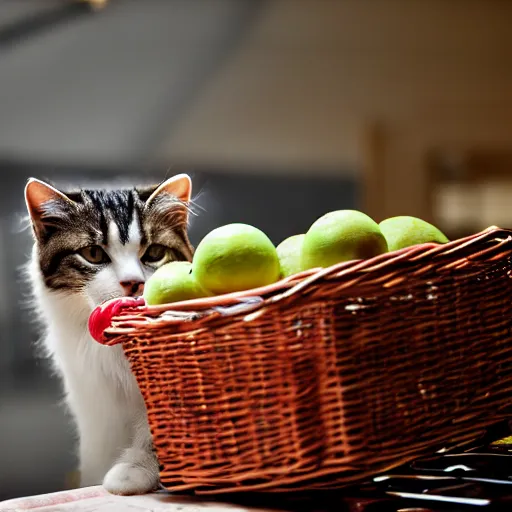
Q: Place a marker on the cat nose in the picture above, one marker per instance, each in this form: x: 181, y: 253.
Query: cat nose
x: 132, y: 288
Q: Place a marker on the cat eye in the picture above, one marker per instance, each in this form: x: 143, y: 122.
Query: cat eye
x: 94, y: 254
x: 157, y: 253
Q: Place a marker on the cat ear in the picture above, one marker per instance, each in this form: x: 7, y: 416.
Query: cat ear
x: 179, y: 186
x: 37, y: 194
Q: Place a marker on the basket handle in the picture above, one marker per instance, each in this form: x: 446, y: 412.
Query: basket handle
x: 101, y: 317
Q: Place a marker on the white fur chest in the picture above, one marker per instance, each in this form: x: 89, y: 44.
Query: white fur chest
x: 100, y: 371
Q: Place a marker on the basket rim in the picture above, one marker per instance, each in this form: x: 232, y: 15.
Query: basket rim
x: 126, y: 315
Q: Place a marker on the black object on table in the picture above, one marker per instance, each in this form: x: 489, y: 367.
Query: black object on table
x: 474, y: 476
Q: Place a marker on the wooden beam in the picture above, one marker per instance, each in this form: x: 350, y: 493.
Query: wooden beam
x: 374, y: 171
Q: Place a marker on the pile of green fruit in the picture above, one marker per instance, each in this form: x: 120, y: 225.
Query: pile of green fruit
x: 239, y: 257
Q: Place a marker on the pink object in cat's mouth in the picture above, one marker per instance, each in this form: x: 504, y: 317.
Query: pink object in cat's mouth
x: 101, y: 317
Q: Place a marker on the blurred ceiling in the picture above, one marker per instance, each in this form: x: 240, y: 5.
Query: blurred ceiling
x: 105, y: 87
x: 313, y: 75
x: 251, y: 84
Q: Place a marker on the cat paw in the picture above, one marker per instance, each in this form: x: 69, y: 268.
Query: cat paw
x: 126, y: 479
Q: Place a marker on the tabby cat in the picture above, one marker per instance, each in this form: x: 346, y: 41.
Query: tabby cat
x: 90, y: 246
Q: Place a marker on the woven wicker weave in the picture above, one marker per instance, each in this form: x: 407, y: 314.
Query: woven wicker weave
x: 330, y: 376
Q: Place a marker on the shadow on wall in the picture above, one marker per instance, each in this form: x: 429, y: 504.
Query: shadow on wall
x: 37, y: 441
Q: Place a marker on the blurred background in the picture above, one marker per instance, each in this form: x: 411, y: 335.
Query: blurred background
x: 280, y: 110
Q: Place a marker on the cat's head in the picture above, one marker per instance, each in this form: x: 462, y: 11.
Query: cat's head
x: 103, y: 244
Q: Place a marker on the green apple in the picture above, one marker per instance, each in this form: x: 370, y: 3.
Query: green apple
x: 234, y: 258
x: 341, y: 235
x: 404, y: 231
x: 173, y: 282
x: 289, y: 252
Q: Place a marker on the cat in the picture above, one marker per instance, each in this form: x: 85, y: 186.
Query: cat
x: 91, y: 246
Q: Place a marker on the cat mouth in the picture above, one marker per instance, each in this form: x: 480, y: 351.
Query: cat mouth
x: 119, y: 295
x: 98, y: 301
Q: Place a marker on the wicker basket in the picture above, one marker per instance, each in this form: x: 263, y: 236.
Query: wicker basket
x: 327, y: 377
